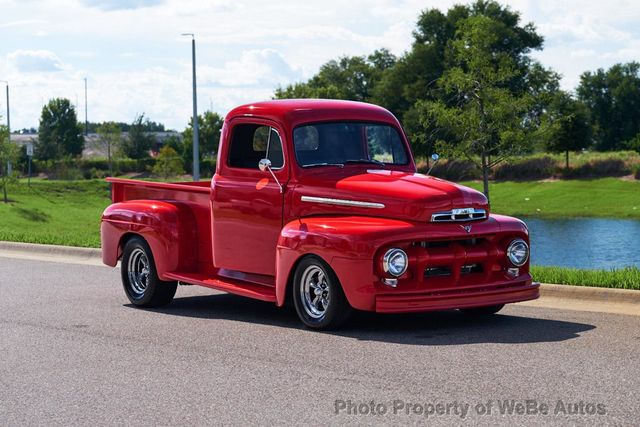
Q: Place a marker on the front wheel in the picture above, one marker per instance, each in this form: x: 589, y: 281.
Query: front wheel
x: 482, y: 311
x: 140, y: 278
x: 318, y: 296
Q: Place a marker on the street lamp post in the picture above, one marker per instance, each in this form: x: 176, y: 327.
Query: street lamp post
x: 86, y: 109
x: 196, y: 157
x: 8, y: 171
x: 8, y: 115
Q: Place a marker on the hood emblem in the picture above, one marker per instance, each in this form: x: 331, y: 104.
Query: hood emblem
x: 466, y: 228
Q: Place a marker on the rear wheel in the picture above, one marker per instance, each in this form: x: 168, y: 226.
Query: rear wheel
x: 140, y: 279
x: 318, y: 296
x: 482, y: 311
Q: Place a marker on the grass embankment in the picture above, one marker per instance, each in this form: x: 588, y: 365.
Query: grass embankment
x: 55, y: 212
x: 625, y: 278
x: 604, y: 198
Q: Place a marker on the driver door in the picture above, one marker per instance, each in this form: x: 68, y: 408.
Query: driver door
x: 247, y: 204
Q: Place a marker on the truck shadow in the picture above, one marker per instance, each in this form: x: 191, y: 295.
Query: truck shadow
x: 436, y: 328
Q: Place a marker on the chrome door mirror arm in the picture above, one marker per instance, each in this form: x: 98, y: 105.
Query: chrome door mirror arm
x: 265, y: 165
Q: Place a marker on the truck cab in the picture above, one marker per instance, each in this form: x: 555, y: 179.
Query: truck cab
x: 318, y: 201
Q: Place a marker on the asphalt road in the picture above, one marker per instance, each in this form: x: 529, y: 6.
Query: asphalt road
x: 73, y: 351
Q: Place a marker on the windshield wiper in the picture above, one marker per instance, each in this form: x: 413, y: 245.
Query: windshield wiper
x: 371, y: 161
x: 313, y: 165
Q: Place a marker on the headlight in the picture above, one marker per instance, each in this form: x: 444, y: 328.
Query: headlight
x: 518, y: 252
x: 395, y: 262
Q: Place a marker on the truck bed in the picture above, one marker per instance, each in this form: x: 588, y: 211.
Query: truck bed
x: 133, y: 189
x: 194, y: 195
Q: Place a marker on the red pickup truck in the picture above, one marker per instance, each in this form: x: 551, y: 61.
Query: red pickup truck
x: 318, y: 201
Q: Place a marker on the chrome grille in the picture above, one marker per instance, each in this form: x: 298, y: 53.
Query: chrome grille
x: 459, y: 215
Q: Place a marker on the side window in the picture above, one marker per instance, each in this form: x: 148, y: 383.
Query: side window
x: 251, y: 142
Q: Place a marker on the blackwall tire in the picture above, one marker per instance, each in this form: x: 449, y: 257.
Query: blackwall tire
x: 318, y: 296
x: 140, y: 279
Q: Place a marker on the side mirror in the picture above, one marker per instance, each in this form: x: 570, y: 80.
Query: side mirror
x: 264, y: 165
x: 435, y: 157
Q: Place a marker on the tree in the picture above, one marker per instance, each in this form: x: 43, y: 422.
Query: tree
x: 109, y: 136
x: 613, y: 97
x: 400, y: 84
x: 138, y: 144
x: 209, y: 127
x: 168, y: 163
x: 633, y: 143
x: 349, y: 77
x: 59, y: 134
x: 415, y: 76
x: 569, y: 125
x: 486, y: 116
x: 9, y: 153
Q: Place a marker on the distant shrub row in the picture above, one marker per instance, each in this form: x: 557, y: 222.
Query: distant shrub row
x: 537, y: 168
x: 525, y: 169
x: 71, y: 169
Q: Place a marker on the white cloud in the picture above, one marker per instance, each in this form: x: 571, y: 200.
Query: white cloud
x: 121, y: 4
x: 136, y: 61
x: 21, y: 22
x: 33, y: 61
x: 255, y: 68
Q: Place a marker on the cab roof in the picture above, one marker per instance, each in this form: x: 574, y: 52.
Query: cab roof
x: 293, y: 112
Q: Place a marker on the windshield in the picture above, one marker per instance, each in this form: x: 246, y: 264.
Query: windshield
x: 324, y: 144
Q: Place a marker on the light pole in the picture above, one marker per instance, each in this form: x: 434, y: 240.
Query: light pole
x: 8, y: 170
x: 8, y: 115
x: 86, y: 116
x: 196, y: 157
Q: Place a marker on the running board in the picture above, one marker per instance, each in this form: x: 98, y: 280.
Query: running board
x: 233, y: 286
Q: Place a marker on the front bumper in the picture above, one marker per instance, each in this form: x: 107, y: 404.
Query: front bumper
x: 446, y: 299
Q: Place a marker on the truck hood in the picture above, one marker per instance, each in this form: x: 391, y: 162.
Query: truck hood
x: 385, y: 193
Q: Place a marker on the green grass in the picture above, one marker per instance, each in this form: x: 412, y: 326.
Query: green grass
x: 604, y: 198
x: 54, y: 212
x: 625, y: 278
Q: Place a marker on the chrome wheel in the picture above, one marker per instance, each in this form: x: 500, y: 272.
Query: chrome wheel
x: 314, y: 292
x: 138, y: 272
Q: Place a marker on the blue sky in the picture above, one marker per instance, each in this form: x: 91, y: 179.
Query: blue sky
x: 135, y: 60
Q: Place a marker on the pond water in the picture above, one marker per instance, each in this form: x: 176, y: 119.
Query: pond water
x: 591, y: 243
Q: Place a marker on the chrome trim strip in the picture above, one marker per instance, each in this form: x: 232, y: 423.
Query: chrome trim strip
x: 467, y: 215
x: 342, y: 202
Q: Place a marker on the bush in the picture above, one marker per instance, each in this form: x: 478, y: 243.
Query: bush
x: 94, y: 173
x: 526, y: 170
x: 168, y: 163
x: 90, y: 168
x: 452, y: 170
x: 122, y: 166
x: 65, y: 170
x: 636, y: 174
x: 207, y: 167
x: 598, y: 169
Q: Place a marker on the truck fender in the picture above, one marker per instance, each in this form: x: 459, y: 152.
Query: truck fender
x: 168, y: 227
x: 299, y: 238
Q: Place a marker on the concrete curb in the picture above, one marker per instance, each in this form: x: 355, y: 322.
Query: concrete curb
x: 584, y: 298
x: 52, y: 253
x: 587, y: 298
x: 53, y: 250
x: 590, y: 293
